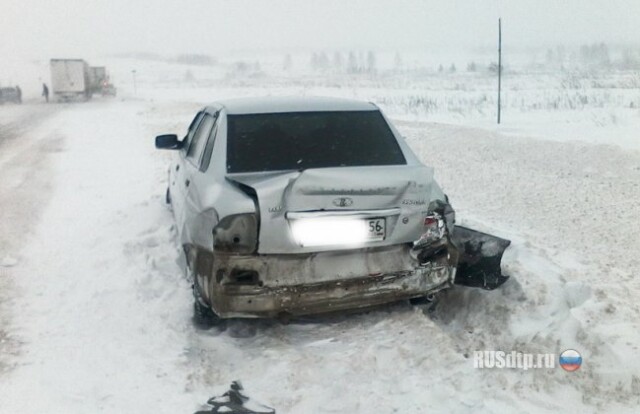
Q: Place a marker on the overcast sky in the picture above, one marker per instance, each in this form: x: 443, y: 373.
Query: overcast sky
x: 46, y: 28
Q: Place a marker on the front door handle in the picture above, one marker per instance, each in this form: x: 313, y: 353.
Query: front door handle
x: 186, y: 183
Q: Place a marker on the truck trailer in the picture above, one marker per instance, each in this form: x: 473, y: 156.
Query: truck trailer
x: 70, y: 79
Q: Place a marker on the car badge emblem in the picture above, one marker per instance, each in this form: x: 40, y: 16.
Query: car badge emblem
x: 342, y: 202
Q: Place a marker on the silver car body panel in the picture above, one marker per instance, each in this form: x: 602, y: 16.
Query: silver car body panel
x: 392, y: 192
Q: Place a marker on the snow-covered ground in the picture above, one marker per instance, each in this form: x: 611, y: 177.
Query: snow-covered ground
x: 95, y: 311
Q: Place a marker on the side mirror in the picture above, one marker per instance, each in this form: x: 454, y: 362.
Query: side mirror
x: 168, y: 141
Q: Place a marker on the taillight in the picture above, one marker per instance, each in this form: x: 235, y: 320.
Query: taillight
x: 237, y: 233
x: 430, y: 221
x: 433, y: 230
x: 445, y: 211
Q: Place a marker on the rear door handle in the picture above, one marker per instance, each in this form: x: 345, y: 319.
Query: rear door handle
x: 186, y: 183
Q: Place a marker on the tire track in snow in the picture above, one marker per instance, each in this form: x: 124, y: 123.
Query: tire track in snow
x: 101, y: 329
x: 26, y: 147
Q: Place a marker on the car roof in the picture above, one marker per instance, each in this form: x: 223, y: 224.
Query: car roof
x: 266, y: 105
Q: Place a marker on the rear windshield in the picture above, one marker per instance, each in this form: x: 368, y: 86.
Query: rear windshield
x: 301, y: 140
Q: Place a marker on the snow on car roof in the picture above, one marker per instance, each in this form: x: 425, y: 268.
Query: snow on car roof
x: 293, y: 104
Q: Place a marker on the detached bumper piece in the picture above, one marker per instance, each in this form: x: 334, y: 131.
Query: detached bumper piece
x: 235, y: 402
x: 479, y: 258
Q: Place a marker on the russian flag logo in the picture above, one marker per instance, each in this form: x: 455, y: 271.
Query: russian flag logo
x: 570, y: 360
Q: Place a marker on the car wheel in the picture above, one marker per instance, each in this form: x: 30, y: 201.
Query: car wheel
x: 423, y: 300
x: 426, y: 303
x: 203, y: 316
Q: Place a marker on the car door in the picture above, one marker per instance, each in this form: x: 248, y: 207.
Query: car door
x: 177, y: 187
x: 193, y: 180
x: 202, y: 182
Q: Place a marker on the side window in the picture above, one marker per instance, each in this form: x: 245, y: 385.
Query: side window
x: 199, y: 140
x: 208, y: 149
x: 192, y: 129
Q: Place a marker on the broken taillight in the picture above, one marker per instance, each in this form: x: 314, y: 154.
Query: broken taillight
x: 430, y: 221
x: 237, y: 233
x: 433, y: 230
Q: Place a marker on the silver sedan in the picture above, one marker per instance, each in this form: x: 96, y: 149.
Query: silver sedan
x: 293, y: 206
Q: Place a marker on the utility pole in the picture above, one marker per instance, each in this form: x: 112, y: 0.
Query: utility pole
x: 499, y: 66
x: 135, y: 87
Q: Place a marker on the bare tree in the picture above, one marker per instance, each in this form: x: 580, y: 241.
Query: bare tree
x: 397, y: 62
x: 371, y: 62
x: 352, y: 63
x: 287, y: 63
x: 338, y: 61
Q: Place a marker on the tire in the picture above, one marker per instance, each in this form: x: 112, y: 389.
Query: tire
x: 422, y: 300
x: 427, y: 304
x: 203, y: 316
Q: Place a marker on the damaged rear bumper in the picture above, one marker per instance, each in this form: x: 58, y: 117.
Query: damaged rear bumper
x: 258, y: 291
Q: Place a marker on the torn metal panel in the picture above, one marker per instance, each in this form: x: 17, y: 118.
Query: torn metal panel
x: 480, y: 257
x: 267, y: 286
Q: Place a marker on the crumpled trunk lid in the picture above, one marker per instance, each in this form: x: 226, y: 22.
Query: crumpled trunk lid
x: 399, y: 193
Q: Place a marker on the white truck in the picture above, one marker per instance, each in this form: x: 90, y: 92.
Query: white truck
x: 70, y: 79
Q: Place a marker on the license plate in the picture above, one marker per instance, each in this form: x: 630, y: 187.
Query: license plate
x: 376, y: 228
